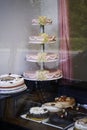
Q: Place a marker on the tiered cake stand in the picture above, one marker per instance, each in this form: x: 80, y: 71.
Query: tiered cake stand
x: 42, y: 62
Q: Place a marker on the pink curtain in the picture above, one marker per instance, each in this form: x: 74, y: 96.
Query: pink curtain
x: 65, y: 53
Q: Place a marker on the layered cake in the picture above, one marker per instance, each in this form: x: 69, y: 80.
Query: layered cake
x: 11, y: 83
x: 42, y: 38
x: 81, y: 124
x: 42, y: 57
x: 41, y: 20
x: 38, y: 114
x: 43, y: 74
x: 65, y: 102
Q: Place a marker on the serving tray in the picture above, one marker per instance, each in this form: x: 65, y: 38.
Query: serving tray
x: 24, y: 117
x: 63, y: 120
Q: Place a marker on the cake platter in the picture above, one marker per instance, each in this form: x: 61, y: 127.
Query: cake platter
x: 42, y: 79
x: 33, y: 60
x: 12, y: 91
x: 64, y: 125
x: 38, y: 121
x: 39, y: 42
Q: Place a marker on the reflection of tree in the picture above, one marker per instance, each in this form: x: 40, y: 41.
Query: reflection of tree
x: 78, y: 23
x: 80, y: 65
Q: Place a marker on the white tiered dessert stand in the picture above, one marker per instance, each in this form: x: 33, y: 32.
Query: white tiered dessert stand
x: 42, y: 63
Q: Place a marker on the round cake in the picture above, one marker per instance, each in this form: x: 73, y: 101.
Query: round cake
x: 10, y: 83
x: 42, y: 57
x: 38, y: 114
x: 42, y: 38
x: 51, y: 107
x: 65, y: 102
x: 41, y: 20
x: 43, y: 74
x: 81, y: 124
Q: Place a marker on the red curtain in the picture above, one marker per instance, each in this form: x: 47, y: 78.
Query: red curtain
x: 65, y: 53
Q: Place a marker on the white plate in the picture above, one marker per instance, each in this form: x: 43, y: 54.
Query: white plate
x: 43, y: 80
x: 39, y: 42
x: 13, y: 91
x: 24, y: 117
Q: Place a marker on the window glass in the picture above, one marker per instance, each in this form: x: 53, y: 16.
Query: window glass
x: 78, y: 37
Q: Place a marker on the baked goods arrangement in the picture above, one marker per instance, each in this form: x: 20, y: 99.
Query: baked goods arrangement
x: 11, y: 83
x: 43, y: 56
x: 60, y: 113
x: 64, y: 117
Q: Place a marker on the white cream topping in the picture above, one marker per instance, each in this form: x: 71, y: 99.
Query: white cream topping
x: 51, y: 108
x: 81, y: 124
x: 7, y: 80
x: 37, y: 110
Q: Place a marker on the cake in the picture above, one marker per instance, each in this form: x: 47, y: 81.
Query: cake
x: 42, y: 57
x: 51, y: 107
x: 43, y: 74
x: 65, y: 101
x: 38, y: 114
x: 10, y: 83
x: 81, y: 124
x: 41, y: 20
x: 42, y: 38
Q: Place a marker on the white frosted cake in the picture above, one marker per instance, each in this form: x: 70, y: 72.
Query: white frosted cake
x: 42, y: 57
x: 42, y: 38
x: 11, y: 83
x: 81, y: 124
x: 43, y: 74
x: 41, y: 20
x: 38, y: 114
